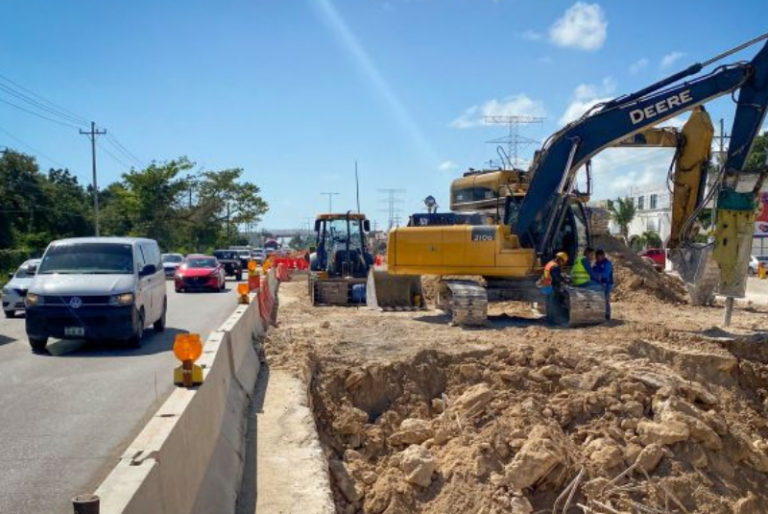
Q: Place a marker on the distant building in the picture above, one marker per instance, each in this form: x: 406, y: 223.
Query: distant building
x: 653, y: 205
x: 654, y: 213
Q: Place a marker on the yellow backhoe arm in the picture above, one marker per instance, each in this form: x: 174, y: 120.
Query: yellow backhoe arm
x: 694, y: 144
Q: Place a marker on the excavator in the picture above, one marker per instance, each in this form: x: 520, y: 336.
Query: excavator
x: 551, y: 215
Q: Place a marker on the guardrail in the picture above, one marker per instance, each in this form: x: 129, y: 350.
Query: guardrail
x: 189, y: 456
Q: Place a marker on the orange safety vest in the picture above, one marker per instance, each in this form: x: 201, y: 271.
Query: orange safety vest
x: 546, y: 277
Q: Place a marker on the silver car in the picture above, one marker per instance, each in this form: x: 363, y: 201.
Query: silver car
x: 15, y: 290
x: 171, y: 263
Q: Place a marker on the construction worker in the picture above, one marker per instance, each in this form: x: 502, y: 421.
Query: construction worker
x: 551, y: 284
x: 603, y: 270
x: 581, y: 272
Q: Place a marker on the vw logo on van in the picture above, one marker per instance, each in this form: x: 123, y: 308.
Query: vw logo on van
x: 75, y: 302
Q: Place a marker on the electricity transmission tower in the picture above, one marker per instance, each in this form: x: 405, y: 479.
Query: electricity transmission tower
x: 513, y: 139
x: 393, y: 198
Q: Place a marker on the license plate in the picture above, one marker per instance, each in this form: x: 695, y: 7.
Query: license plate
x: 74, y: 331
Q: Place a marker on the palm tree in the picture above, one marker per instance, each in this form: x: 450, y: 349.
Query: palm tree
x: 652, y: 239
x: 623, y: 212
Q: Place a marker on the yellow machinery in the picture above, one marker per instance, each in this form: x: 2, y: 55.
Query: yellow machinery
x: 494, y: 252
x: 486, y: 190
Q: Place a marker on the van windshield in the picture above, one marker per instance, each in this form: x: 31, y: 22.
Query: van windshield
x: 88, y: 258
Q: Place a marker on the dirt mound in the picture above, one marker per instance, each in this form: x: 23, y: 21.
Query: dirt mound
x: 637, y: 279
x: 530, y: 427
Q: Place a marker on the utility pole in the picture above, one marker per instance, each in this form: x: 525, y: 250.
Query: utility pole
x: 92, y: 136
x: 357, y: 188
x: 330, y: 200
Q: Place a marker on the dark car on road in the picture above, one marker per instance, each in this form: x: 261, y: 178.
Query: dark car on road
x: 230, y: 260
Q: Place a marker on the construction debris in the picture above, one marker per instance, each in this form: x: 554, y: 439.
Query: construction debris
x: 654, y: 413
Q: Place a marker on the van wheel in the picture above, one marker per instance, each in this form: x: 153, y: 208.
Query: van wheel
x: 159, y: 325
x: 38, y: 343
x: 10, y: 314
x: 138, y: 332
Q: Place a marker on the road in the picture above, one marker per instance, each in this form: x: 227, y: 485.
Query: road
x: 67, y: 416
x: 757, y: 290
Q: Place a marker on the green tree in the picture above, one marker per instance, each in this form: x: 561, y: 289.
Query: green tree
x: 757, y: 155
x: 651, y: 239
x: 623, y: 212
x: 301, y: 241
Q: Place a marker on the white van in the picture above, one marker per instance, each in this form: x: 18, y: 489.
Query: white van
x: 106, y: 288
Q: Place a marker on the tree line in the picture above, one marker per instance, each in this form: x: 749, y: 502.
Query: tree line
x: 183, y: 210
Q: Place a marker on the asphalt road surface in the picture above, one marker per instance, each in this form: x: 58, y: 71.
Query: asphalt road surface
x: 67, y: 416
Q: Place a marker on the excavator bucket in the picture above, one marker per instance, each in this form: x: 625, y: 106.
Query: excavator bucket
x: 699, y: 271
x: 394, y: 292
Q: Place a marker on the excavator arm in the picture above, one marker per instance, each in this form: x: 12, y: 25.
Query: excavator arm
x: 554, y: 168
x: 693, y: 149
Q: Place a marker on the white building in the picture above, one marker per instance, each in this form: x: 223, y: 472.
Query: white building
x: 653, y: 206
x: 654, y: 213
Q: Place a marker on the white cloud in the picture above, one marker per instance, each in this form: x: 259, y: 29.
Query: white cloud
x: 670, y: 59
x: 531, y: 35
x: 615, y: 170
x: 448, y: 165
x: 586, y: 96
x: 638, y: 65
x: 583, y: 26
x: 515, y: 105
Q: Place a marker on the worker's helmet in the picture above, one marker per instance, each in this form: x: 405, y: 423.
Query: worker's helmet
x: 562, y: 256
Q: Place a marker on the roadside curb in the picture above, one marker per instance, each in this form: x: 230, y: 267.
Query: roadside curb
x: 189, y: 456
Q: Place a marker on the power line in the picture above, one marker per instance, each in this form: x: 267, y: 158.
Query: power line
x: 62, y: 116
x: 114, y: 157
x: 38, y: 152
x: 39, y: 105
x: 121, y: 148
x: 64, y: 123
x: 79, y: 119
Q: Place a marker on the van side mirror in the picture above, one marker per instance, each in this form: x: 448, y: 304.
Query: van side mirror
x: 367, y: 225
x: 148, y: 269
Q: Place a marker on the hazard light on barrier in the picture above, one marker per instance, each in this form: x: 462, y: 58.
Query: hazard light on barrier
x: 188, y: 348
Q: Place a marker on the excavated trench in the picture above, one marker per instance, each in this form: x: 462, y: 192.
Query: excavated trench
x: 525, y: 427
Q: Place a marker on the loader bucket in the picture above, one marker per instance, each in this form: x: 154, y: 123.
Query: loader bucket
x: 394, y: 292
x: 699, y: 271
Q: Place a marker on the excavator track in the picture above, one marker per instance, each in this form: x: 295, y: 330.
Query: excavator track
x: 465, y: 301
x: 585, y: 306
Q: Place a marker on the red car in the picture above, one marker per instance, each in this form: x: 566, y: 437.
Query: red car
x: 199, y: 272
x: 657, y: 255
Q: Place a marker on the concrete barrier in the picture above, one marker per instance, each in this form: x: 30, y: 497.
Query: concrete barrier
x: 189, y: 456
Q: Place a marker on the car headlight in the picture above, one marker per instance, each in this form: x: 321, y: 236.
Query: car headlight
x: 121, y: 299
x: 7, y: 290
x: 33, y: 299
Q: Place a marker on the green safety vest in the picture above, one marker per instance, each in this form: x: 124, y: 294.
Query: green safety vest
x: 579, y: 274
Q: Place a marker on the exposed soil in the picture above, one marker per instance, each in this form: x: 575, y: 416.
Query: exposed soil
x: 656, y: 410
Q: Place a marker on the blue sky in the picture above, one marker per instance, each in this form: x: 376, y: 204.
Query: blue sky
x: 294, y: 91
